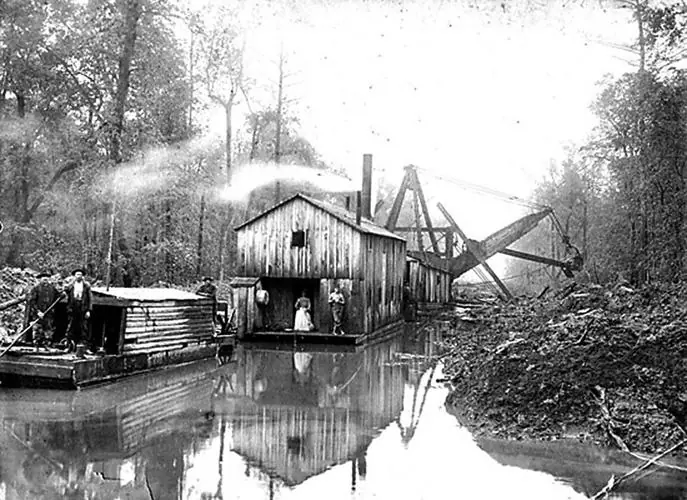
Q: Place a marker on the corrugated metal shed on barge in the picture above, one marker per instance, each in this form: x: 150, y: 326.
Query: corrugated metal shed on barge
x: 307, y: 244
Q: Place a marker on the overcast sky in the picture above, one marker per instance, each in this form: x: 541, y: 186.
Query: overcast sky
x: 486, y: 91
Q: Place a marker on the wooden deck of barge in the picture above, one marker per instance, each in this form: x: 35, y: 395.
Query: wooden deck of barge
x: 23, y: 367
x: 300, y: 337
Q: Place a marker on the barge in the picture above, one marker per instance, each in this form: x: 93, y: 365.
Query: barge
x: 138, y: 330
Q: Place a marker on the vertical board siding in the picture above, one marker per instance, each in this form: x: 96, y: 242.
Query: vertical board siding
x: 428, y: 284
x: 383, y: 281
x: 265, y: 244
x: 368, y: 268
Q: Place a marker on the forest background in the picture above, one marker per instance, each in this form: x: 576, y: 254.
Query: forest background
x: 105, y: 138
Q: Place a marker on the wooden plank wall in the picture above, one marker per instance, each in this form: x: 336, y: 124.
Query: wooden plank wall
x: 239, y: 300
x: 382, y: 295
x: 332, y: 248
x: 152, y: 326
x: 427, y: 284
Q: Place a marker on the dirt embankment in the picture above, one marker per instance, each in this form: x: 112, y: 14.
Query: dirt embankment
x: 602, y: 365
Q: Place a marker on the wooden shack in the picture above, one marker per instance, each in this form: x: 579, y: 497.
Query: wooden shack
x: 150, y: 319
x: 139, y: 329
x: 305, y: 244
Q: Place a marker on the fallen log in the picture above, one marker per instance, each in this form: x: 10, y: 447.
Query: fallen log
x: 13, y: 302
x: 613, y: 483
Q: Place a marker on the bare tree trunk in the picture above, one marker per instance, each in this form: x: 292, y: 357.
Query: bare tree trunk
x: 277, y: 139
x: 190, y: 83
x: 201, y: 223
x: 224, y: 243
x: 131, y: 16
x: 639, y: 13
x: 170, y: 275
x: 228, y: 108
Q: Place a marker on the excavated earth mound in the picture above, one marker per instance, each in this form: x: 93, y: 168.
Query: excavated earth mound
x: 14, y: 283
x: 606, y: 365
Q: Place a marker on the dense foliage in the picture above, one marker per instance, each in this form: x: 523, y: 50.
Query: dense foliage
x: 104, y: 109
x: 621, y: 197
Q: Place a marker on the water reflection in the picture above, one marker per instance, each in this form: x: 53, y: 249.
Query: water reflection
x: 266, y: 423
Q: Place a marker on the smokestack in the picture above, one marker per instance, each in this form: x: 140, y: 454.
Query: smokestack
x: 366, y: 194
x: 358, y: 208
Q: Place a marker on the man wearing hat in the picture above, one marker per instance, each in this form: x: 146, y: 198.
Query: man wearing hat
x: 79, y: 305
x: 41, y: 297
x: 207, y: 289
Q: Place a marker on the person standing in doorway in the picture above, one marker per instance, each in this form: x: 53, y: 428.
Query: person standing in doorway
x: 41, y: 298
x: 336, y: 306
x: 79, y: 306
x: 303, y: 323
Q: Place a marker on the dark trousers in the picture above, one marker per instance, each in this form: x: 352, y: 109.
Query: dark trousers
x: 337, y: 317
x: 43, y: 331
x: 78, y: 330
x: 61, y: 322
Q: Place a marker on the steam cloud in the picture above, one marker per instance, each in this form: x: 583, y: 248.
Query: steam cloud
x: 255, y: 175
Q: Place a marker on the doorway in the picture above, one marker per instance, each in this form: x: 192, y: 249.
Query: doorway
x: 281, y: 310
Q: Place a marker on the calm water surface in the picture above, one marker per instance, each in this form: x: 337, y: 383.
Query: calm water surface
x: 295, y: 423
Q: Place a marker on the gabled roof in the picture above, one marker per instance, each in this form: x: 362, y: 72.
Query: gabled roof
x: 366, y: 226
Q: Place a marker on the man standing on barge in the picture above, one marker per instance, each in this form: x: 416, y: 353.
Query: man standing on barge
x: 336, y: 305
x: 42, y: 298
x: 79, y: 306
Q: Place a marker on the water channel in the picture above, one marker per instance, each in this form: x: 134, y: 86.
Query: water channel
x: 289, y: 423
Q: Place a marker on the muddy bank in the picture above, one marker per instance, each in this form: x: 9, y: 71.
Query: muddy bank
x: 601, y: 365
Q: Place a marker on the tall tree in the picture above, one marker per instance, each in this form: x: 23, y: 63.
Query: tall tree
x: 223, y: 44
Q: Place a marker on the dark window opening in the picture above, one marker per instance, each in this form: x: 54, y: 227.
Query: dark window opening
x: 298, y: 239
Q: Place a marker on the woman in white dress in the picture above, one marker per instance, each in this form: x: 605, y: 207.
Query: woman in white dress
x: 303, y: 323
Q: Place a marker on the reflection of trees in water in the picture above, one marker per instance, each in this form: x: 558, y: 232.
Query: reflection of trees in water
x: 59, y: 460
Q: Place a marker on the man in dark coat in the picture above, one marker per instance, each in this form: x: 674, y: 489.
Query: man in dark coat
x: 79, y: 306
x: 207, y: 289
x: 61, y: 319
x: 41, y: 298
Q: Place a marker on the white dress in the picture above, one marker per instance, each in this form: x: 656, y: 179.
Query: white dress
x: 303, y: 323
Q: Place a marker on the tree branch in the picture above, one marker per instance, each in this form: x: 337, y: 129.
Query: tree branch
x: 67, y: 167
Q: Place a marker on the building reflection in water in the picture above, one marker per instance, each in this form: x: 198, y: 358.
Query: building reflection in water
x: 278, y: 417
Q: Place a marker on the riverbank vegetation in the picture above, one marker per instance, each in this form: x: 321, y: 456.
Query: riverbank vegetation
x: 601, y: 357
x: 620, y: 196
